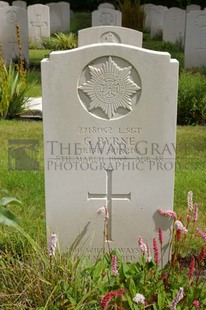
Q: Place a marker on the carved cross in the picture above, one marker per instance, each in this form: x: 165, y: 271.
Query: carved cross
x: 109, y: 196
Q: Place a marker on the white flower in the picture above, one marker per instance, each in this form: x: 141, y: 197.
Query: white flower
x: 103, y: 210
x: 139, y: 298
x: 53, y: 244
x: 179, y: 226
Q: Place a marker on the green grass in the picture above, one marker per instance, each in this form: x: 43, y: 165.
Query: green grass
x: 32, y: 280
x: 36, y: 55
x: 28, y: 186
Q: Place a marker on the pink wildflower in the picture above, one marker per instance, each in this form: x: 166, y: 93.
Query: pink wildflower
x: 139, y: 298
x: 179, y: 226
x: 114, y: 265
x: 178, y: 235
x: 196, y: 304
x: 156, y: 252
x: 195, y: 212
x: 202, y: 255
x: 177, y: 298
x: 143, y: 246
x: 190, y: 200
x: 191, y: 268
x: 188, y: 218
x: 53, y: 244
x: 105, y: 300
x: 168, y: 213
x: 103, y: 210
x: 201, y: 233
x: 160, y: 234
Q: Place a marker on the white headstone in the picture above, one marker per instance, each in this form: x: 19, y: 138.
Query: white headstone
x: 195, y: 39
x: 3, y: 4
x: 193, y: 7
x: 65, y: 16
x: 106, y: 5
x: 105, y: 17
x: 174, y: 25
x: 20, y: 4
x: 59, y: 17
x: 109, y: 115
x: 147, y: 10
x: 10, y: 16
x: 109, y: 34
x: 157, y: 19
x: 39, y: 22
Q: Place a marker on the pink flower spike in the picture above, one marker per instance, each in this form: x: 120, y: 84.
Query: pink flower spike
x: 168, y: 213
x: 53, y: 244
x: 191, y: 268
x: 156, y: 252
x: 190, y: 200
x: 105, y: 300
x: 188, y: 218
x: 103, y: 210
x: 195, y: 212
x: 201, y: 233
x: 177, y: 298
x: 160, y: 234
x: 114, y: 265
x: 139, y: 299
x: 179, y: 226
x: 143, y: 246
x: 196, y: 304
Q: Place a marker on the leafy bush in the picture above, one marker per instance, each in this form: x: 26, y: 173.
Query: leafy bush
x: 61, y: 41
x: 80, y: 21
x: 67, y: 281
x: 132, y: 14
x: 191, y: 99
x: 13, y: 85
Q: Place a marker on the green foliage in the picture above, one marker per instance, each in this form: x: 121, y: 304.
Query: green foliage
x: 13, y: 84
x: 61, y: 41
x: 132, y: 14
x: 80, y: 21
x: 7, y: 217
x: 68, y: 281
x: 191, y: 99
x: 12, y: 92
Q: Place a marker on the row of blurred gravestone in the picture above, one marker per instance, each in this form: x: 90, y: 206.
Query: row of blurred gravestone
x: 185, y: 27
x: 42, y: 20
x: 35, y: 22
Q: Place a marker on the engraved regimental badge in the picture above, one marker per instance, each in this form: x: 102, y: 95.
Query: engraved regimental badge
x: 108, y: 89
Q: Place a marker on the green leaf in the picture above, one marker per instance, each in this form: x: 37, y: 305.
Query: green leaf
x: 161, y: 300
x: 98, y: 269
x: 7, y: 217
x: 9, y: 200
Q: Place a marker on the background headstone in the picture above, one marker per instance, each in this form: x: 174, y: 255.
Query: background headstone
x: 195, y: 39
x: 174, y: 25
x: 20, y: 4
x: 9, y: 17
x: 109, y: 115
x: 157, y: 19
x: 106, y: 5
x: 105, y: 17
x: 109, y: 34
x: 39, y: 22
x: 147, y: 10
x: 3, y: 4
x: 193, y: 7
x: 59, y: 17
